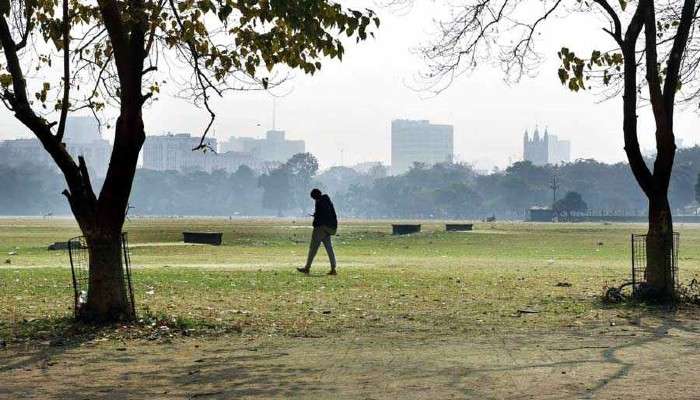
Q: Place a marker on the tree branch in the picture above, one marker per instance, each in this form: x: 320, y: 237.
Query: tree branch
x: 202, y: 80
x: 28, y: 12
x: 112, y: 18
x: 674, y: 59
x: 616, y: 33
x: 66, y: 72
x: 634, y: 155
x: 19, y: 102
x: 652, y: 64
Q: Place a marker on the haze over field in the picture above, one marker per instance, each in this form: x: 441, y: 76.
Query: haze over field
x: 351, y: 104
x: 354, y: 230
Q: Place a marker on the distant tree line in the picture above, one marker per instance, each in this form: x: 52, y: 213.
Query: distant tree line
x: 29, y: 190
x: 453, y: 191
x: 456, y: 191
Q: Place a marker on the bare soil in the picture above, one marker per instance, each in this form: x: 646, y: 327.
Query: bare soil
x: 645, y: 361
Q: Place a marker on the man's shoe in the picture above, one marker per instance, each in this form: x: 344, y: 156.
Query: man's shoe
x: 303, y: 270
x: 332, y: 272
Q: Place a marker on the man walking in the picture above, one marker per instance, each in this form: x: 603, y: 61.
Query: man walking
x: 325, y: 225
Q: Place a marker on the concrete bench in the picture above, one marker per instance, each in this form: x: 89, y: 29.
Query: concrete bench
x: 458, y: 227
x: 404, y: 229
x: 213, y: 238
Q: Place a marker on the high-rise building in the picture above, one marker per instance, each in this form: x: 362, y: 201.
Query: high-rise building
x: 82, y: 138
x: 82, y: 129
x: 274, y: 148
x: 96, y: 155
x: 420, y: 142
x: 547, y: 149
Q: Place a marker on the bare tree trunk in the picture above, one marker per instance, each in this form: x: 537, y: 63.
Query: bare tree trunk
x: 100, y: 219
x: 107, y: 296
x: 107, y: 299
x: 659, y: 245
x: 659, y: 250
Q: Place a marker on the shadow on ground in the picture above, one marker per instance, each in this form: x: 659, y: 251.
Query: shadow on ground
x: 599, y: 362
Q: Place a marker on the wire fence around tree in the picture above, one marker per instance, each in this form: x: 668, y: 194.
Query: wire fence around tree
x: 79, y: 256
x: 640, y: 262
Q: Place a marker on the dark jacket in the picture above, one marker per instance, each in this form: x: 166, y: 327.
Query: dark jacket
x: 324, y: 213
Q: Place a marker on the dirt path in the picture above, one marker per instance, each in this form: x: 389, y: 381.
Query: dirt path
x: 652, y: 362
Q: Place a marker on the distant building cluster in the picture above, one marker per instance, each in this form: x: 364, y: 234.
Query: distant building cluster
x: 273, y: 148
x: 420, y: 142
x: 168, y: 152
x: 18, y: 152
x: 412, y: 141
x: 173, y: 152
x: 81, y: 138
x: 547, y: 149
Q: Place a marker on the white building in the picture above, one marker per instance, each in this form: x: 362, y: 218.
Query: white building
x: 559, y: 150
x: 173, y: 152
x: 273, y: 148
x: 420, y: 142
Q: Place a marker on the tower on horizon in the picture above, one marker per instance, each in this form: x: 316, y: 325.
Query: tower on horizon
x: 547, y: 149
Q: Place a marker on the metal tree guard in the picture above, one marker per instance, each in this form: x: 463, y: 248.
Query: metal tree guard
x: 79, y: 257
x: 639, y: 261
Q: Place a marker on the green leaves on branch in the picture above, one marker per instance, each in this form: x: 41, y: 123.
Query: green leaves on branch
x: 571, y: 71
x: 5, y: 80
x: 575, y: 72
x: 265, y: 33
x: 220, y: 37
x: 43, y: 93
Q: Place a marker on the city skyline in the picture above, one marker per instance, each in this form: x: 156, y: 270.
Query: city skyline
x: 351, y: 103
x: 81, y: 140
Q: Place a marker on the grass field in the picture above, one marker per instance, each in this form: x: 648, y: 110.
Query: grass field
x: 432, y: 315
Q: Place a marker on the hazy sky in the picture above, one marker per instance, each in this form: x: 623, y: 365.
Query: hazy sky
x: 350, y: 105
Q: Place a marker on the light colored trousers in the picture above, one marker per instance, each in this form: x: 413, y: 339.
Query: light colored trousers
x: 321, y: 234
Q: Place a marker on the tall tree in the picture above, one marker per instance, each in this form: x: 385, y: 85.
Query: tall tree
x: 571, y: 203
x: 277, y: 190
x: 302, y: 167
x: 111, y: 51
x: 666, y: 55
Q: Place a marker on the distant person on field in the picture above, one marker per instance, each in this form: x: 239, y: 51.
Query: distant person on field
x: 325, y: 225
